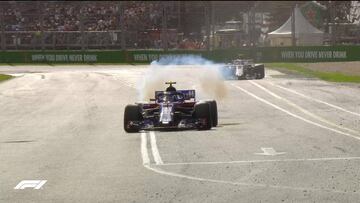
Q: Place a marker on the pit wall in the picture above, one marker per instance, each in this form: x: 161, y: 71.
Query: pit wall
x: 259, y: 54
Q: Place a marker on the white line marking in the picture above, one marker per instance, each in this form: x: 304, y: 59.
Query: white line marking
x: 16, y: 74
x: 162, y: 172
x: 266, y: 90
x: 144, y: 152
x: 261, y: 161
x: 302, y: 109
x: 154, y: 148
x: 294, y: 115
x: 269, y: 151
x: 317, y: 100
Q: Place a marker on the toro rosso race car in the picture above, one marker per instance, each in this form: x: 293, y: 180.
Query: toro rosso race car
x: 244, y: 69
x: 171, y: 109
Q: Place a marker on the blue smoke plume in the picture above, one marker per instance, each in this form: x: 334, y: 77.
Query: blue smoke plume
x: 189, y: 71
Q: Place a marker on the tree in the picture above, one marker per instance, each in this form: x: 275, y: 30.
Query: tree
x: 279, y: 11
x: 343, y: 11
x: 337, y: 13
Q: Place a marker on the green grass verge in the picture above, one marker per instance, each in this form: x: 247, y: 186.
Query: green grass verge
x: 5, y: 77
x: 327, y: 76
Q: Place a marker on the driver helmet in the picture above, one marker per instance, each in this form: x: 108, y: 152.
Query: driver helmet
x: 171, y: 88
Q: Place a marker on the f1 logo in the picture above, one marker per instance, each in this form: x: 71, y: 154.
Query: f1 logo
x: 36, y: 184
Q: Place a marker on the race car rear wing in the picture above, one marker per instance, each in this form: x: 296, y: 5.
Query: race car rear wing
x: 188, y: 94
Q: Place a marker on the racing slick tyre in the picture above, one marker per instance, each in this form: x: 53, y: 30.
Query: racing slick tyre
x: 249, y: 72
x: 214, y: 113
x: 260, y: 71
x: 202, y: 111
x: 132, y: 113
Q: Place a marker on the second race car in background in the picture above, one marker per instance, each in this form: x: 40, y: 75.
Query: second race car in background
x: 243, y: 69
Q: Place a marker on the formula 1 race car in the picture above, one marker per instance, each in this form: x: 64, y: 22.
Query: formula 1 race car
x: 244, y: 69
x: 171, y: 109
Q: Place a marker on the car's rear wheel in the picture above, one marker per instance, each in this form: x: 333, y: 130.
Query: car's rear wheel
x: 241, y: 77
x: 260, y: 71
x: 132, y: 113
x: 202, y: 111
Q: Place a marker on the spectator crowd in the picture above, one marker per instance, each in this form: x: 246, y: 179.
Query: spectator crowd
x: 142, y: 20
x: 67, y: 16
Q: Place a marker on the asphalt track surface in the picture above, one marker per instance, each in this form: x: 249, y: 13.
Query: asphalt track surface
x: 65, y: 125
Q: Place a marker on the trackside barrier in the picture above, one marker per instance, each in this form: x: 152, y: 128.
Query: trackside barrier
x: 260, y: 54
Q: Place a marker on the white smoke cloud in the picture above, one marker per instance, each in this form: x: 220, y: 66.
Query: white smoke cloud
x: 189, y: 71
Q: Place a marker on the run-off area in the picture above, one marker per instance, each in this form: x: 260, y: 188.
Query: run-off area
x: 321, y: 153
x: 65, y: 125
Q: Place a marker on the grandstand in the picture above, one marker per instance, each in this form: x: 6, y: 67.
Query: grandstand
x: 99, y: 24
x: 123, y: 25
x: 74, y: 25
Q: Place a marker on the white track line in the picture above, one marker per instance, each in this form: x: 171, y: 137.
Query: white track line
x: 144, y: 151
x: 146, y: 164
x: 302, y: 109
x: 154, y: 148
x: 160, y: 171
x: 294, y: 115
x: 266, y: 90
x: 261, y: 161
x: 313, y: 99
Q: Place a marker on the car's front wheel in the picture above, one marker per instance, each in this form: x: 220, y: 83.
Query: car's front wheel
x: 202, y: 111
x: 213, y: 111
x: 131, y: 114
